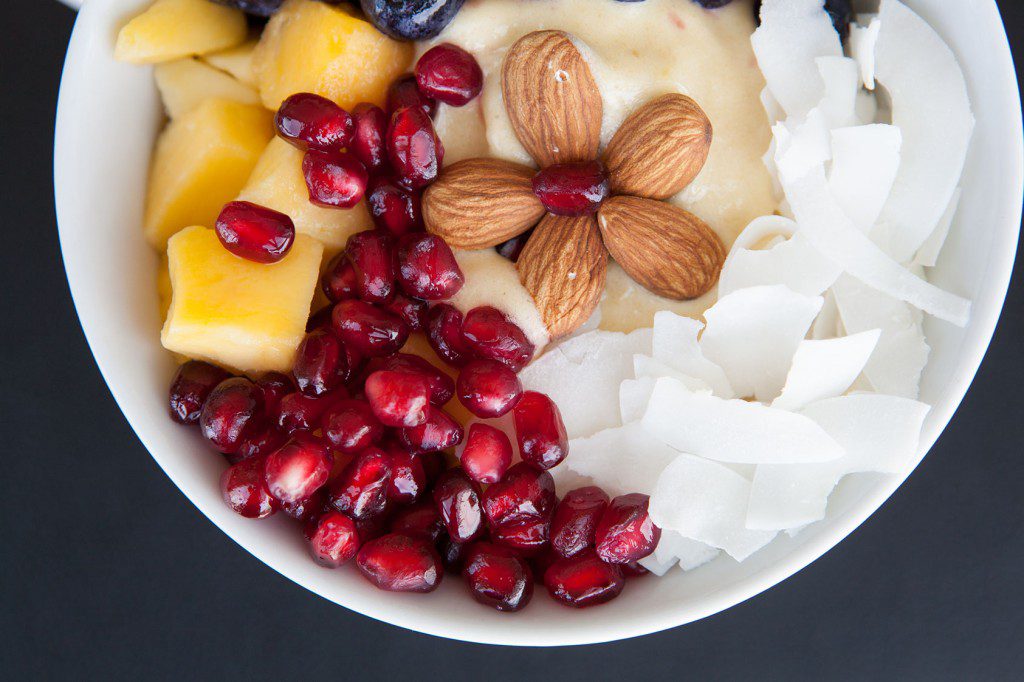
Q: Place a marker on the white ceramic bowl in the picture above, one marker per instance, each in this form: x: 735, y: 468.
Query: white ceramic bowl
x: 108, y: 117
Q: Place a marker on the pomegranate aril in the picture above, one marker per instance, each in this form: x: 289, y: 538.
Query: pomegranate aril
x: 259, y: 444
x: 513, y: 247
x: 398, y: 399
x: 311, y: 121
x: 488, y: 388
x: 625, y: 531
x: 583, y: 580
x: 231, y: 412
x: 524, y: 494
x: 394, y: 209
x: 190, y: 387
x: 372, y: 254
x: 298, y: 469
x: 414, y: 149
x: 540, y: 432
x: 633, y: 570
x: 321, y: 319
x: 572, y: 189
x: 529, y: 537
x: 442, y: 388
x: 405, y: 92
x: 244, y: 490
x: 300, y: 412
x: 412, y: 311
x: 408, y: 480
x: 491, y: 335
x: 274, y: 386
x: 307, y: 509
x: 449, y: 74
x: 497, y: 577
x: 439, y: 432
x: 371, y: 125
x: 334, y: 179
x: 339, y: 281
x: 575, y: 520
x: 458, y: 502
x: 372, y: 527
x: 350, y: 426
x: 335, y: 540
x: 399, y: 563
x: 254, y: 232
x: 370, y: 331
x: 319, y: 363
x: 427, y: 268
x: 453, y: 554
x: 434, y: 464
x: 421, y: 520
x: 361, y: 489
x: 539, y: 563
x: 444, y: 331
x: 487, y: 454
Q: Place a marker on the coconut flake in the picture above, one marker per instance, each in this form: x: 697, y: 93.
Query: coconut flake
x: 622, y: 460
x: 839, y: 103
x: 865, y: 160
x: 929, y: 252
x: 647, y: 367
x: 793, y: 262
x: 675, y: 344
x: 863, y: 40
x: 634, y: 396
x: 827, y: 324
x: 802, y: 147
x: 825, y: 369
x: 674, y: 549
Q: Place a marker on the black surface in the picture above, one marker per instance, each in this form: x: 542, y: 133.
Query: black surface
x: 108, y: 572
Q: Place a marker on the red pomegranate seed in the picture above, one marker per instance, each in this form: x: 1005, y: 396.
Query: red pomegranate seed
x: 434, y: 464
x: 633, y: 570
x: 259, y: 444
x: 190, y: 387
x: 427, y: 268
x: 361, y: 489
x: 399, y: 563
x: 625, y: 531
x: 231, y: 412
x: 335, y: 540
x: 254, y: 232
x: 394, y: 209
x: 367, y: 329
x: 373, y: 256
x: 307, y: 509
x: 274, y: 386
x: 491, y: 335
x: 575, y: 520
x: 497, y: 577
x: 350, y: 426
x: 439, y: 432
x: 421, y: 520
x: 458, y: 502
x: 583, y: 580
x: 539, y: 563
x: 529, y: 537
x: 311, y: 121
x: 244, y: 491
x: 444, y: 331
x: 398, y: 399
x: 372, y: 528
x: 524, y: 494
x: 572, y: 189
x: 539, y: 429
x: 488, y: 388
x: 334, y: 179
x: 414, y: 149
x: 300, y: 412
x: 321, y: 319
x: 453, y: 554
x: 513, y: 247
x: 405, y: 92
x: 442, y: 388
x: 319, y: 363
x: 339, y: 281
x: 371, y: 125
x: 487, y: 454
x: 449, y: 74
x: 412, y: 311
x: 298, y: 469
x: 408, y: 480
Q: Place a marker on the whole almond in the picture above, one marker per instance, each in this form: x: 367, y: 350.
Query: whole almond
x: 667, y: 250
x: 660, y: 148
x: 552, y: 99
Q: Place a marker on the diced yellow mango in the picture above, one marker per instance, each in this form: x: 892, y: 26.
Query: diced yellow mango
x: 163, y: 286
x: 172, y: 29
x: 186, y: 83
x: 233, y: 312
x: 310, y: 46
x: 236, y: 61
x: 202, y: 160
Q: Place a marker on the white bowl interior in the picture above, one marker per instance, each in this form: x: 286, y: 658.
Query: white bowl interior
x: 108, y: 117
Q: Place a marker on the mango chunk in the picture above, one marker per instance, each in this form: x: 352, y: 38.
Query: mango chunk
x: 202, y: 160
x: 277, y: 182
x: 233, y: 312
x: 236, y: 61
x: 172, y: 29
x: 186, y: 83
x: 310, y: 46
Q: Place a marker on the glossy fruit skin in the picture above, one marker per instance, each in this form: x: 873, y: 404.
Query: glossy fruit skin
x: 411, y: 19
x: 625, y: 531
x: 244, y: 491
x: 523, y: 495
x: 572, y: 189
x: 529, y: 537
x: 497, y: 577
x: 334, y: 179
x: 257, y: 8
x: 274, y: 386
x: 370, y: 127
x: 458, y: 502
x: 404, y: 92
x: 339, y: 281
x: 543, y: 442
x: 307, y: 509
x: 487, y: 454
x: 350, y: 426
x: 412, y: 311
x: 231, y: 412
x: 414, y: 149
x: 367, y: 329
x: 334, y: 541
x: 439, y: 432
x: 489, y: 334
x: 372, y: 254
x: 420, y: 520
x: 310, y: 121
x: 442, y: 388
x: 444, y: 331
x: 398, y: 399
x: 394, y: 208
x: 255, y: 233
x: 360, y: 491
x: 453, y: 554
x: 449, y: 74
x: 321, y: 319
x: 298, y: 469
x: 320, y: 364
x: 400, y: 563
x: 512, y: 248
x: 427, y: 268
x: 575, y: 521
x: 190, y: 387
x: 583, y: 580
x: 300, y: 412
x: 488, y: 388
x: 434, y: 464
x: 260, y: 443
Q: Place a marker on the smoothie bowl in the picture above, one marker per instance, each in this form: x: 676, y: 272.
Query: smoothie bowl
x: 639, y: 307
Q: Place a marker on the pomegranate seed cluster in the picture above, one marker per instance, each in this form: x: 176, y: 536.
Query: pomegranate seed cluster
x: 357, y: 443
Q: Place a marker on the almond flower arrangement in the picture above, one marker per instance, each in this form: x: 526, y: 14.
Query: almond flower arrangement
x: 585, y: 204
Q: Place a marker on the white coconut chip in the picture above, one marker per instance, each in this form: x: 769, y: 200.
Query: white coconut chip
x: 827, y: 324
x: 625, y: 459
x: 825, y: 369
x: 733, y: 430
x: 867, y: 108
x: 839, y: 103
x: 675, y: 344
x: 865, y: 160
x: 674, y: 549
x: 647, y: 367
x: 863, y: 39
x: 802, y: 147
x: 753, y: 333
x: 928, y: 255
x: 634, y: 396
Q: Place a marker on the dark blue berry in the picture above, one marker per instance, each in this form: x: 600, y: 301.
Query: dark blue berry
x: 712, y: 4
x: 411, y: 19
x: 258, y: 8
x: 841, y: 14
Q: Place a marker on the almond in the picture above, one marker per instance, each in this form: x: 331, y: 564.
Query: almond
x: 660, y: 148
x: 665, y: 249
x: 552, y: 99
x: 478, y: 203
x: 563, y: 267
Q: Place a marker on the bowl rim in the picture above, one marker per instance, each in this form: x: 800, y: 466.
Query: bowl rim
x: 985, y: 317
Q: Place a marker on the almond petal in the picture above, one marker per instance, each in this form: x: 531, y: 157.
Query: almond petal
x: 477, y: 203
x: 660, y: 148
x: 667, y: 250
x: 563, y: 267
x: 552, y: 99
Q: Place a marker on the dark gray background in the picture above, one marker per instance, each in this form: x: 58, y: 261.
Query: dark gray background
x: 108, y: 572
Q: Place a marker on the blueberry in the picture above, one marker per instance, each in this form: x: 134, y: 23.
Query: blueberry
x: 259, y: 8
x: 841, y: 13
x: 712, y: 4
x: 411, y: 19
